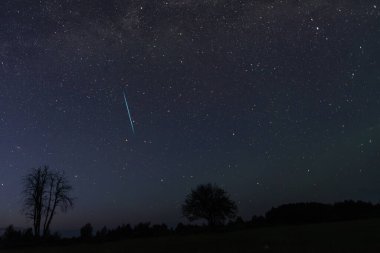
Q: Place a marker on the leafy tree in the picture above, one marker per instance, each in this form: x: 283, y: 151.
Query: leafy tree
x: 209, y: 202
x: 45, y: 191
x: 86, y: 231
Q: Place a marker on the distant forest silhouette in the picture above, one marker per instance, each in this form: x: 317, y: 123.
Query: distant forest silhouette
x: 45, y: 190
x: 288, y: 214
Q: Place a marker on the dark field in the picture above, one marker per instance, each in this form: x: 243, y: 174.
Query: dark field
x: 354, y: 236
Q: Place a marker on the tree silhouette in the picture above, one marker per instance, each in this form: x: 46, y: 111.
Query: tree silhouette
x: 44, y: 192
x: 209, y: 202
x: 86, y: 231
x: 11, y: 234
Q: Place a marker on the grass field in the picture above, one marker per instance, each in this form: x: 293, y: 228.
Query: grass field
x: 354, y: 236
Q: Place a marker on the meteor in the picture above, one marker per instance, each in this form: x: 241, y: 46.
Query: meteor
x: 129, y: 113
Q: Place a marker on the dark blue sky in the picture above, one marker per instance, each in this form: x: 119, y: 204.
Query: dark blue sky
x: 275, y: 101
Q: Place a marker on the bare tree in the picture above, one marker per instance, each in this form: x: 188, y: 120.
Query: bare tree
x: 34, y: 186
x: 209, y: 202
x: 44, y: 192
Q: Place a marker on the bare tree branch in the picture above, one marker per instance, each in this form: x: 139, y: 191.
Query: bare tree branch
x: 43, y: 192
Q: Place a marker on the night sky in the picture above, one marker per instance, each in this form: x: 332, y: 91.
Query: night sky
x: 275, y: 101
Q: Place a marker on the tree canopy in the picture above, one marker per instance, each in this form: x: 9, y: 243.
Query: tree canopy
x: 209, y: 202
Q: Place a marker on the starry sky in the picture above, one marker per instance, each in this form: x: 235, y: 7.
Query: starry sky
x: 275, y: 101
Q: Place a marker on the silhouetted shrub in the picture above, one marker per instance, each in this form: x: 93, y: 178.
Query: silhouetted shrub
x: 159, y: 230
x: 182, y: 229
x: 11, y: 235
x: 86, y: 232
x: 238, y: 223
x: 142, y: 229
x: 120, y: 232
x: 27, y: 235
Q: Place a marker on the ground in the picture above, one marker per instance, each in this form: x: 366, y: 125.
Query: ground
x: 353, y: 236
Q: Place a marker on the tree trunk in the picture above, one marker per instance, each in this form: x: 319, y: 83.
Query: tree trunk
x: 46, y: 225
x: 46, y: 229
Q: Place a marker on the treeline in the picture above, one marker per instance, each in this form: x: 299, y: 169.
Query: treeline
x: 143, y: 229
x: 13, y: 237
x: 297, y: 213
x: 146, y: 229
x: 317, y: 212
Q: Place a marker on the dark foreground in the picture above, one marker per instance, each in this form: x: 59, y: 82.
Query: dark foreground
x: 353, y: 236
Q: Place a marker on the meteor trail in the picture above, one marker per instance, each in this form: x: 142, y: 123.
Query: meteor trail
x: 129, y: 113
